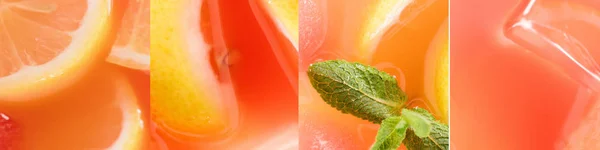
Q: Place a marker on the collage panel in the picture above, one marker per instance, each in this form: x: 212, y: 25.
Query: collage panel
x: 373, y: 74
x: 223, y: 74
x: 525, y: 74
x: 74, y: 74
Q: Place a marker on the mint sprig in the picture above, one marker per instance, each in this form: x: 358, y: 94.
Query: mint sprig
x: 374, y: 95
x: 353, y: 88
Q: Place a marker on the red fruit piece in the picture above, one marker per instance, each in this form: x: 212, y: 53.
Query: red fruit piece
x: 9, y: 132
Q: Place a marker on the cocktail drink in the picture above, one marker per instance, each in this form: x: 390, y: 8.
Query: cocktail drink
x: 59, y: 91
x: 525, y: 74
x: 224, y: 78
x: 407, y: 39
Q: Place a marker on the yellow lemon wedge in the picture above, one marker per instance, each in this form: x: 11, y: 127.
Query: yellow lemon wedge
x: 382, y: 15
x: 285, y: 15
x: 437, y: 73
x: 185, y: 93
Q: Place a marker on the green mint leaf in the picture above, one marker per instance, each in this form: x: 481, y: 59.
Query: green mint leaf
x: 418, y: 123
x: 373, y: 95
x: 423, y: 112
x: 391, y: 133
x: 436, y: 140
x: 360, y: 90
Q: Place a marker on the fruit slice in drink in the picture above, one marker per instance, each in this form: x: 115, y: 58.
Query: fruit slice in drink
x: 100, y: 111
x: 132, y: 46
x: 188, y: 99
x: 46, y: 46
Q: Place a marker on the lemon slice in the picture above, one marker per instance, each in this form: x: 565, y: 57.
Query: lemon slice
x: 382, y: 16
x: 47, y: 45
x: 285, y: 15
x: 437, y: 73
x: 185, y: 93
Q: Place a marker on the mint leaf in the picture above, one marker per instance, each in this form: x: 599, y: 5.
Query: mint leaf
x: 373, y: 95
x: 419, y: 123
x: 424, y: 131
x: 391, y: 133
x: 423, y: 112
x: 360, y: 90
x: 436, y: 140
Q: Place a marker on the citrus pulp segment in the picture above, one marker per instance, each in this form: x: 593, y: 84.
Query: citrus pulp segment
x: 47, y: 45
x: 132, y: 46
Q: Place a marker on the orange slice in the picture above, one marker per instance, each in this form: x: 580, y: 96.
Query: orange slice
x: 132, y: 47
x: 132, y: 133
x: 47, y: 45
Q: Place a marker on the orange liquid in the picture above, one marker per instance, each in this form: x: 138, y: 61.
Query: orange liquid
x: 333, y: 36
x: 266, y: 96
x: 85, y: 109
x: 510, y: 91
x: 83, y: 115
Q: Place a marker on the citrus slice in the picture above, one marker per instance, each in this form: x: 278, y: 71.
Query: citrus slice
x: 131, y: 49
x: 437, y: 66
x: 285, y: 15
x: 279, y: 22
x: 132, y: 126
x: 186, y: 99
x: 47, y: 45
x: 382, y: 15
x: 98, y: 112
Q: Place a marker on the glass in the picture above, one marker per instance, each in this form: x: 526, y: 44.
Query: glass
x: 524, y: 74
x: 565, y: 33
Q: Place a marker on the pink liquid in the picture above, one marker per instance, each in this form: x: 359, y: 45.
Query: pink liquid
x: 266, y: 113
x: 512, y: 90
